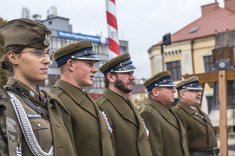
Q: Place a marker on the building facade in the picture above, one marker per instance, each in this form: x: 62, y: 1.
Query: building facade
x: 191, y: 52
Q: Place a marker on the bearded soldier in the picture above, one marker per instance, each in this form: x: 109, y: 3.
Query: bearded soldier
x: 129, y: 133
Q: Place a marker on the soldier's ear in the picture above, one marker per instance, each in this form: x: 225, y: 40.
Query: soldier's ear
x: 182, y: 94
x: 155, y: 91
x: 111, y: 77
x: 13, y: 57
x: 69, y: 65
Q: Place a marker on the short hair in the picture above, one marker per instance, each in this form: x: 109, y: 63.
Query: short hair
x: 150, y: 93
x: 107, y: 81
x: 62, y: 68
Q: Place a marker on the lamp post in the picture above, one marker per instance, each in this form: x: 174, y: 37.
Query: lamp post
x: 166, y: 40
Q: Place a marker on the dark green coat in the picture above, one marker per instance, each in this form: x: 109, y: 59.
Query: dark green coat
x: 199, y: 133
x: 47, y: 132
x: 128, y: 129
x: 167, y: 135
x: 91, y: 135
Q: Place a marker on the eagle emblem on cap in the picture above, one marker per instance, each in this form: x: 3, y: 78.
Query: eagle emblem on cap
x: 47, y: 39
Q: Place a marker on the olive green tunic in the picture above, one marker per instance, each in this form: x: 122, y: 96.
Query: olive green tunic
x: 167, y: 135
x: 128, y: 129
x: 48, y: 132
x: 89, y: 129
x: 199, y: 133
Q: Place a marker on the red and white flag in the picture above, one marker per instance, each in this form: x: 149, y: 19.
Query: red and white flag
x: 113, y: 40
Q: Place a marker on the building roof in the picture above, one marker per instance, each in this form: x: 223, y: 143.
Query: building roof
x: 217, y: 20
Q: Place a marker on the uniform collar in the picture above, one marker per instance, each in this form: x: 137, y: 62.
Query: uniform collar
x: 187, y: 108
x: 18, y: 86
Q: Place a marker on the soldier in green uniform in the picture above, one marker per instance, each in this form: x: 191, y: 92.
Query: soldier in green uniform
x: 8, y: 142
x: 167, y: 135
x: 129, y: 132
x: 199, y: 130
x: 91, y: 135
x: 34, y: 114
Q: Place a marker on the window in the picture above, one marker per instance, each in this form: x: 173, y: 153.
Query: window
x: 63, y: 42
x: 122, y: 50
x: 208, y: 63
x: 53, y: 43
x: 95, y: 48
x: 175, y: 69
x: 209, y: 103
x: 230, y: 95
x: 104, y: 49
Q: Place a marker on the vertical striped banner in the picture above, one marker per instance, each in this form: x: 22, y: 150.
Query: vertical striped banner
x: 113, y: 40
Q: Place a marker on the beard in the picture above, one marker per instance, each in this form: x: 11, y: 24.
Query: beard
x: 121, y: 86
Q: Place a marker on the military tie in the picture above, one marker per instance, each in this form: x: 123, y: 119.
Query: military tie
x: 203, y: 118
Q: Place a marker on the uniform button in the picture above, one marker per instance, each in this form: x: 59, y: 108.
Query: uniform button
x: 39, y: 125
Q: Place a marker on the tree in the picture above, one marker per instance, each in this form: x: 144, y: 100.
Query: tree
x: 3, y: 73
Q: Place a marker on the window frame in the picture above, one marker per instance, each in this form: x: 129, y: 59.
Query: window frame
x: 174, y: 68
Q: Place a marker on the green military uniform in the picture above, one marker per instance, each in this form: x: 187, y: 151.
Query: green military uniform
x: 167, y: 135
x: 90, y: 132
x: 48, y: 131
x: 199, y: 133
x: 129, y: 133
x: 199, y: 130
x: 128, y: 129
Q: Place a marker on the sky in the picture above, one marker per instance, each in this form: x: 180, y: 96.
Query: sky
x: 142, y: 23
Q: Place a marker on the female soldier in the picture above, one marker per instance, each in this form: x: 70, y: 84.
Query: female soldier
x: 35, y: 115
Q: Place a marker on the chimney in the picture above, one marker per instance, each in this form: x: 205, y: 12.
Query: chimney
x: 209, y: 7
x: 230, y: 5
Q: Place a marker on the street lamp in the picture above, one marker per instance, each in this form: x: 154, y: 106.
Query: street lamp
x: 166, y: 40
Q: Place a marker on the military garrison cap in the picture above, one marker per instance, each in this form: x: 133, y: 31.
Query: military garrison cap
x: 118, y: 64
x: 26, y: 32
x: 162, y: 79
x: 191, y: 83
x: 80, y: 50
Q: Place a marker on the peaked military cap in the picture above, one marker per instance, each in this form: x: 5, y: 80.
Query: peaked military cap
x: 80, y: 50
x: 191, y: 83
x: 162, y: 79
x: 118, y: 64
x: 25, y: 32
